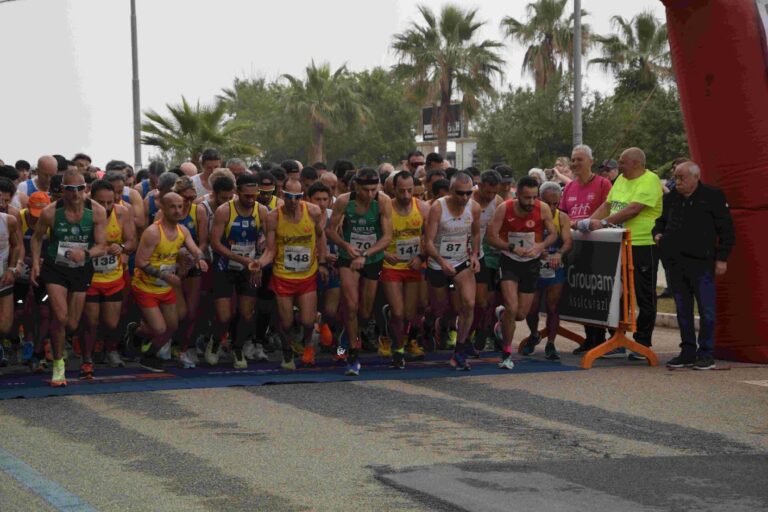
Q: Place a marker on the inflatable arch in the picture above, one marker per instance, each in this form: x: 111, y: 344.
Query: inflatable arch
x: 720, y: 58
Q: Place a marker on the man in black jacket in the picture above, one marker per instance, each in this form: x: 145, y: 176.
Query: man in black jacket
x: 695, y: 234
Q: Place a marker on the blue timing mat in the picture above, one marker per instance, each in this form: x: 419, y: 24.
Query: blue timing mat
x: 21, y: 384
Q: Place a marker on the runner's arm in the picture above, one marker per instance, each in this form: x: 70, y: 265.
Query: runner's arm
x: 492, y: 231
x: 16, y: 253
x: 270, y: 226
x: 134, y: 197
x: 321, y: 244
x: 565, y: 233
x: 99, y: 231
x: 150, y: 238
x: 385, y: 212
x: 332, y: 229
x: 202, y: 228
x: 475, y: 252
x: 430, y: 233
x: 129, y: 232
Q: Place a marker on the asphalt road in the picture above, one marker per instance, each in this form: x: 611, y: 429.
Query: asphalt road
x: 619, y: 437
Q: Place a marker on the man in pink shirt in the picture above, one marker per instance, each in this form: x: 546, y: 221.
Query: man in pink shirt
x: 581, y: 197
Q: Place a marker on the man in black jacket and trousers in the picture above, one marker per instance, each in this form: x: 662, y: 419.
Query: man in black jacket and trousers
x: 695, y: 235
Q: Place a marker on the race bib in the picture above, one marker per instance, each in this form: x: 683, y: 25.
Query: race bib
x: 453, y: 247
x: 362, y: 242
x: 407, y: 249
x: 522, y: 241
x: 297, y: 258
x: 65, y: 248
x: 105, y: 264
x: 247, y: 250
x: 165, y: 269
x: 546, y: 271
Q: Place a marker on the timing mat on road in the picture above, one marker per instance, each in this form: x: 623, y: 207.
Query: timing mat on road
x: 18, y: 384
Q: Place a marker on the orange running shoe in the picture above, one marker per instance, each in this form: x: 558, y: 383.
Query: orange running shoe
x: 86, y: 371
x: 308, y: 357
x: 326, y: 336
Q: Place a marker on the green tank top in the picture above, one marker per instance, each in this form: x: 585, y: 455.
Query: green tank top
x: 65, y: 234
x: 362, y: 231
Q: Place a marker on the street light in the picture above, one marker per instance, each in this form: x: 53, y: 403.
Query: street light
x: 577, y: 129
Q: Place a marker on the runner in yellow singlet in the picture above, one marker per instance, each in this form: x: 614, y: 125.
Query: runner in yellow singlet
x: 296, y: 239
x: 104, y: 297
x: 155, y: 277
x: 401, y: 275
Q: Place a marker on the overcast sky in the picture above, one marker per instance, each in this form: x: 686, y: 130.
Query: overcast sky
x: 66, y: 64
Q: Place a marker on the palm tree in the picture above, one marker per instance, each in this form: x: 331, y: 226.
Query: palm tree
x: 324, y: 100
x: 640, y: 47
x: 439, y: 58
x: 548, y: 35
x: 190, y: 129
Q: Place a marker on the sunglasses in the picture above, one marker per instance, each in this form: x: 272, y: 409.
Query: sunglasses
x: 288, y: 195
x: 465, y: 194
x: 73, y: 188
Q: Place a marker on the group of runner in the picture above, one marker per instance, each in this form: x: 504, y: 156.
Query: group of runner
x: 210, y: 257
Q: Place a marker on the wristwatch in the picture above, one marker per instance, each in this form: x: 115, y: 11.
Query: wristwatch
x: 604, y: 223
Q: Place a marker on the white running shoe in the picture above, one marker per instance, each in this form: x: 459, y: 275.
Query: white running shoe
x: 507, y: 363
x: 186, y: 358
x: 249, y: 350
x: 211, y: 357
x: 114, y: 360
x: 258, y: 354
x: 165, y: 352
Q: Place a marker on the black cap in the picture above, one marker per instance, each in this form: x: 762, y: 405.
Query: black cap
x: 507, y: 176
x: 608, y: 165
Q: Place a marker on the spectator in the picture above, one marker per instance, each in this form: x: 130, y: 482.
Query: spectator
x: 695, y: 236
x: 580, y: 199
x: 609, y: 170
x: 635, y: 203
x: 561, y: 172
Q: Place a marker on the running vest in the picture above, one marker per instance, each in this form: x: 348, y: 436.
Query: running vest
x: 109, y: 268
x: 152, y: 209
x: 521, y: 231
x: 406, y: 236
x: 546, y: 271
x: 486, y: 251
x: 272, y: 203
x: 65, y: 236
x: 240, y: 235
x: 163, y: 259
x: 5, y: 247
x: 31, y: 187
x: 453, y: 235
x: 190, y: 222
x: 144, y: 188
x: 296, y: 245
x: 362, y: 230
x: 27, y: 230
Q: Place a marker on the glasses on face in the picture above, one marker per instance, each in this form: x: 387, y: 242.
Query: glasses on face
x: 465, y: 193
x: 288, y: 195
x: 73, y: 188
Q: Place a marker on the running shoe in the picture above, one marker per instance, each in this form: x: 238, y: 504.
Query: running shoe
x: 681, y: 362
x: 636, y: 356
x: 86, y: 371
x: 308, y: 357
x: 153, y: 364
x: 288, y: 365
x: 353, y: 369
x: 212, y: 352
x: 165, y: 352
x: 704, y: 363
x: 59, y: 379
x: 398, y: 361
x: 340, y: 355
x: 550, y: 352
x: 248, y: 349
x: 326, y: 336
x: 459, y: 362
x: 186, y: 360
x: 258, y: 353
x: 414, y: 350
x: 507, y: 363
x: 240, y: 362
x: 385, y: 346
x: 530, y: 347
x: 450, y: 342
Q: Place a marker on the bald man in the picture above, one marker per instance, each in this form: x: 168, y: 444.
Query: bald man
x: 47, y: 167
x: 188, y: 168
x: 331, y: 181
x: 634, y: 202
x: 155, y: 278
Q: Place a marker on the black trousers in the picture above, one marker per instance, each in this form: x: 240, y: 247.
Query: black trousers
x: 646, y: 261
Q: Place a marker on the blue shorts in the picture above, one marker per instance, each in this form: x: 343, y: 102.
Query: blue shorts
x: 550, y: 281
x: 334, y: 281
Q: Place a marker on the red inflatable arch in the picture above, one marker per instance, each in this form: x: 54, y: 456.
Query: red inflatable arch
x: 720, y: 59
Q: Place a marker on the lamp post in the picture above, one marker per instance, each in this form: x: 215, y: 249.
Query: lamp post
x: 577, y: 131
x: 136, y: 99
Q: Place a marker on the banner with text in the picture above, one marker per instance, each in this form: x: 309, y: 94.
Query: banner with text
x: 593, y: 289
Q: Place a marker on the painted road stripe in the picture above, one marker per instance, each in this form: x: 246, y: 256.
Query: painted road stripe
x: 763, y: 383
x: 57, y: 496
